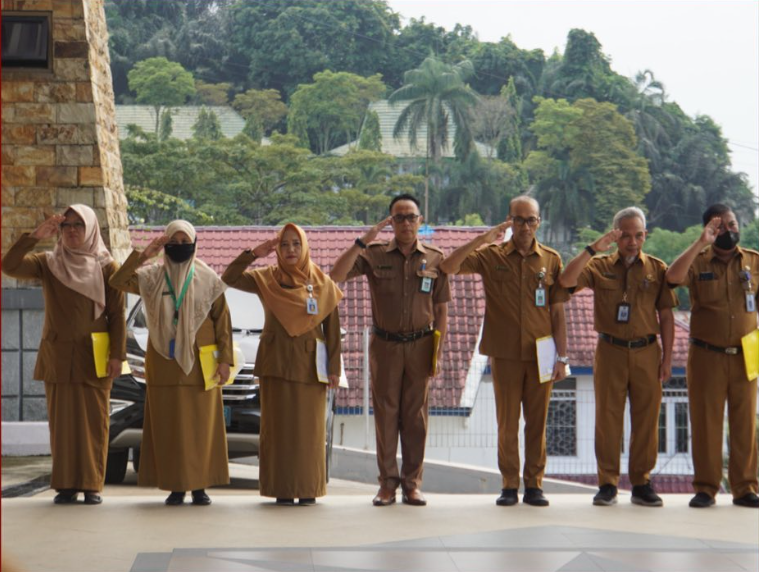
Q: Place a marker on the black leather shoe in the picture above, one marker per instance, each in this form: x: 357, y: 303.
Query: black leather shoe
x: 749, y: 500
x: 307, y: 501
x: 508, y: 497
x: 92, y: 498
x: 200, y: 498
x: 175, y: 499
x: 644, y: 495
x: 286, y: 502
x: 66, y: 496
x: 701, y: 500
x: 606, y: 496
x: 534, y: 497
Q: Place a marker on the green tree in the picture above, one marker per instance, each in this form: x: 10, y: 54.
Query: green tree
x: 161, y: 83
x: 371, y: 137
x: 433, y: 93
x: 331, y: 109
x: 216, y: 94
x: 207, y: 125
x: 150, y: 207
x: 166, y: 127
x: 264, y: 104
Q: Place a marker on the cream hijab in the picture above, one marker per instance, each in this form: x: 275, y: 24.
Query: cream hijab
x: 289, y: 304
x: 204, y: 288
x: 82, y: 269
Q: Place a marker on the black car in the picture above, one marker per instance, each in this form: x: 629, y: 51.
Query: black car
x: 242, y: 407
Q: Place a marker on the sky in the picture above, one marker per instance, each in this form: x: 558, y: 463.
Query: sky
x: 706, y: 52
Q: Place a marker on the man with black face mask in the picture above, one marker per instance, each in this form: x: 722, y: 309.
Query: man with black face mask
x: 722, y: 279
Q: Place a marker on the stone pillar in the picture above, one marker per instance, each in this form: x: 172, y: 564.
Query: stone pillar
x: 59, y: 146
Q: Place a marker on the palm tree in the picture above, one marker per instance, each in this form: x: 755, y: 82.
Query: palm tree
x: 436, y: 92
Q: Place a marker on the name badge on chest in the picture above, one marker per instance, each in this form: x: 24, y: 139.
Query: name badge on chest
x: 312, y: 308
x: 750, y: 302
x: 540, y: 291
x: 745, y: 276
x: 425, y: 286
x: 623, y: 313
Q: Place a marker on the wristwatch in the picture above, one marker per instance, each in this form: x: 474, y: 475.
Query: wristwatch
x: 589, y: 250
x: 563, y: 359
x: 360, y: 243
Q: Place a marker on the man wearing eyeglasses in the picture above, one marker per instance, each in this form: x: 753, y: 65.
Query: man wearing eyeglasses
x: 409, y: 302
x: 523, y: 303
x: 630, y: 292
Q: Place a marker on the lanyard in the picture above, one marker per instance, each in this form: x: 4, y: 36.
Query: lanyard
x: 178, y: 303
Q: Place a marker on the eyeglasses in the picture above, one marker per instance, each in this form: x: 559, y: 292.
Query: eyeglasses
x: 399, y: 218
x: 75, y: 225
x: 520, y: 221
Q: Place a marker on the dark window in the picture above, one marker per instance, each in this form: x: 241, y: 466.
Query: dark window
x: 561, y: 426
x: 663, y: 428
x: 26, y: 41
x: 681, y: 427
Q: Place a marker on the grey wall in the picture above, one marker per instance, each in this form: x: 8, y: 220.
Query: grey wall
x: 23, y: 399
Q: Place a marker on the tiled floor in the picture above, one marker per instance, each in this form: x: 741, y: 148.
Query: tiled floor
x: 535, y: 549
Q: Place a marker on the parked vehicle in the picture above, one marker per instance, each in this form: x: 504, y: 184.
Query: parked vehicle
x: 242, y: 407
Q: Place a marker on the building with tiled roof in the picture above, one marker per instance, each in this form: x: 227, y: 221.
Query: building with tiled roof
x: 183, y: 117
x: 401, y: 147
x: 462, y: 420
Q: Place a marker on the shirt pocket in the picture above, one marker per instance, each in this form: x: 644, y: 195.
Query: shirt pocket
x: 385, y: 281
x: 708, y: 291
x: 608, y: 289
x: 431, y: 275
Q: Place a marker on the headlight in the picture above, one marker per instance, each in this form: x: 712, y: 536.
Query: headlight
x: 137, y: 365
x: 119, y: 404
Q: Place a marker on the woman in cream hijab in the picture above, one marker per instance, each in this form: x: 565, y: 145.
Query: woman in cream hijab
x: 300, y: 302
x: 78, y: 303
x: 184, y: 443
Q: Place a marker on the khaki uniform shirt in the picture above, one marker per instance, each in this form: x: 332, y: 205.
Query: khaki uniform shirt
x: 398, y: 304
x: 65, y: 353
x: 718, y: 297
x: 512, y: 319
x: 215, y: 329
x: 279, y: 354
x: 642, y: 286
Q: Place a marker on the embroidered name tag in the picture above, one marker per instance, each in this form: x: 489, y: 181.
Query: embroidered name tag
x: 501, y: 267
x: 384, y: 267
x: 706, y: 276
x: 608, y: 275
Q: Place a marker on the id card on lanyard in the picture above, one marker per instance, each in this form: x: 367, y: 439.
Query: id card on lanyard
x: 177, y: 302
x: 745, y: 276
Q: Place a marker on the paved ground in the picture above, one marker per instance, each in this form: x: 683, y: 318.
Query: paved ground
x: 134, y: 532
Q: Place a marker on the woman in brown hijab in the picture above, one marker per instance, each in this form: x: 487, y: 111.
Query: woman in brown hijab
x: 300, y: 304
x: 78, y: 302
x: 184, y: 445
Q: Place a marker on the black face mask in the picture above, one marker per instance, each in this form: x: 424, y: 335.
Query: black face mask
x: 179, y: 252
x: 728, y: 240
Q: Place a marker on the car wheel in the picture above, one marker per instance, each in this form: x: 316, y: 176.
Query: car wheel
x: 136, y: 459
x: 116, y: 466
x: 331, y: 407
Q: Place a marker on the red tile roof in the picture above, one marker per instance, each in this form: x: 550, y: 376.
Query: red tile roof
x: 218, y: 246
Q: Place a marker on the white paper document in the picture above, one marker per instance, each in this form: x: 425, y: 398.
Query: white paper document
x: 322, y: 360
x: 546, y: 350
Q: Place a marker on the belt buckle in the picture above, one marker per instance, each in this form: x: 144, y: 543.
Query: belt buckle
x: 731, y: 351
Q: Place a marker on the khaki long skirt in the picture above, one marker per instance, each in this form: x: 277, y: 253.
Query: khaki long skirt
x: 293, y: 434
x: 184, y: 442
x: 78, y: 417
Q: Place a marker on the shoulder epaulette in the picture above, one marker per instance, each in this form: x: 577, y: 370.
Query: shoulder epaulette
x: 551, y: 250
x: 434, y: 248
x: 378, y: 243
x: 751, y: 250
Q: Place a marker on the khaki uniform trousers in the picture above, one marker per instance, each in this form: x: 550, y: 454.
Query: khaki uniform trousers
x: 516, y: 385
x: 714, y: 378
x: 399, y: 395
x: 620, y: 372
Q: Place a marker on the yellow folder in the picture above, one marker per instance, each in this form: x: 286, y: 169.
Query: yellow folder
x: 101, y: 349
x: 750, y: 343
x: 435, y: 348
x: 209, y: 363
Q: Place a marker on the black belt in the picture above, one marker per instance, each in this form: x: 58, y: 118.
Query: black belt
x: 732, y: 351
x: 403, y: 338
x: 629, y: 344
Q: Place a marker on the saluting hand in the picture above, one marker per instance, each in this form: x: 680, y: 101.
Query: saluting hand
x: 497, y: 232
x: 114, y: 368
x: 266, y: 248
x: 711, y: 230
x: 49, y: 228
x: 372, y: 233
x: 154, y: 248
x: 222, y: 372
x: 604, y: 243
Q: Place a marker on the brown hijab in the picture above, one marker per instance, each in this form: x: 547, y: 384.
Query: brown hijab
x: 82, y: 269
x: 288, y: 302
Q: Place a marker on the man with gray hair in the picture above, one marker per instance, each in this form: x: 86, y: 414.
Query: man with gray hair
x: 630, y: 290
